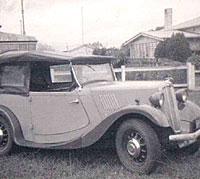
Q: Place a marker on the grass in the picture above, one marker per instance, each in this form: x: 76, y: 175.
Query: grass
x: 92, y: 163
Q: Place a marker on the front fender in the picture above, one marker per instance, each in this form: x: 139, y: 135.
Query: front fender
x: 151, y: 113
x: 190, y: 111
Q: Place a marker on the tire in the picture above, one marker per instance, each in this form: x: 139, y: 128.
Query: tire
x: 191, y: 149
x: 6, y: 141
x: 144, y: 158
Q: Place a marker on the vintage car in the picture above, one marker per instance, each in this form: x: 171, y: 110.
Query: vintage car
x: 50, y: 100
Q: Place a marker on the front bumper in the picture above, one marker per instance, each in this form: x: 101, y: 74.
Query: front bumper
x: 181, y: 137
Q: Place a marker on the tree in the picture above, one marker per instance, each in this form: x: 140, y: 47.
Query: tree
x: 176, y: 48
x: 179, y: 49
x: 99, y: 51
x: 160, y: 51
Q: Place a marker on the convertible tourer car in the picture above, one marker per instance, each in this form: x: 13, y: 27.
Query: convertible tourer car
x: 50, y: 100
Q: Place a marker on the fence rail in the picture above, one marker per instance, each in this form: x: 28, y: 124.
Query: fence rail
x: 191, y: 72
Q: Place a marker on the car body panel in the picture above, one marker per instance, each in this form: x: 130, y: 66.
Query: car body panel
x: 56, y: 113
x: 111, y: 96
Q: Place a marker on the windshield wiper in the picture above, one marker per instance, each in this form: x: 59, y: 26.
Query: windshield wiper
x: 89, y: 66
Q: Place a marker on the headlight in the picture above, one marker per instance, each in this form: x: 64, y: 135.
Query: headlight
x: 181, y: 95
x: 157, y: 99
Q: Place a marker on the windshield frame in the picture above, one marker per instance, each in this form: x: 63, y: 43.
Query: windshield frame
x: 92, y: 81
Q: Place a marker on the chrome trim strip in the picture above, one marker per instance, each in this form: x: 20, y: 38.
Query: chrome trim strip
x: 76, y: 79
x: 173, y: 115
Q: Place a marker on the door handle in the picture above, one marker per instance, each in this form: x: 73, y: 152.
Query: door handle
x: 75, y: 101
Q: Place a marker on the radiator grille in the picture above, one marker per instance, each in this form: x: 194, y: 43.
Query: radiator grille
x: 171, y: 109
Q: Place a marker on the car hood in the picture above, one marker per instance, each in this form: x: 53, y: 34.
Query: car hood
x: 127, y: 85
x: 111, y: 96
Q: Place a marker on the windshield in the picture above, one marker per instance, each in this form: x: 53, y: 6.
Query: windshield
x: 92, y: 73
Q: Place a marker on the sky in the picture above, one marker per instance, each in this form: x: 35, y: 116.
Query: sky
x: 58, y: 22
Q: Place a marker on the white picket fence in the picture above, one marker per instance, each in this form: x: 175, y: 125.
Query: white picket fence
x: 189, y: 67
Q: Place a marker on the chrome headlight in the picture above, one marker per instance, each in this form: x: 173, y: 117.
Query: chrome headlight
x: 181, y: 95
x: 157, y: 99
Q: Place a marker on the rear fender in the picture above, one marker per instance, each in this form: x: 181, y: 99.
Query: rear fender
x: 13, y: 122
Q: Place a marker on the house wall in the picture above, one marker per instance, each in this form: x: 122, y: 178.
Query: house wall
x: 143, y: 47
x: 6, y: 46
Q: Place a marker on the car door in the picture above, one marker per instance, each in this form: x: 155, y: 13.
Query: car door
x: 56, y: 110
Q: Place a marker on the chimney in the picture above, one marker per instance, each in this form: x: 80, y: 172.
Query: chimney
x: 168, y: 19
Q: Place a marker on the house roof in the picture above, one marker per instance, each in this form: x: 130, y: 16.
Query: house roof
x: 163, y: 34
x: 12, y: 56
x: 79, y: 47
x: 9, y: 37
x: 190, y: 23
x: 160, y: 35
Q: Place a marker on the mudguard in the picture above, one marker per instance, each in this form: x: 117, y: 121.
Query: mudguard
x: 154, y: 115
x: 14, y: 123
x: 189, y: 111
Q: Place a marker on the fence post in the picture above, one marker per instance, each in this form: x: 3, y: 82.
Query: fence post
x: 123, y: 73
x: 190, y: 76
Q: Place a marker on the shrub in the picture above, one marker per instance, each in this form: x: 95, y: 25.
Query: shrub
x: 176, y: 48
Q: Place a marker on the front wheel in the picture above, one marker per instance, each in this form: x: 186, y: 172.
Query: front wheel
x: 137, y: 146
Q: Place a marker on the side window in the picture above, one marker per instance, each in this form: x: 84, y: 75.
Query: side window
x: 60, y: 74
x: 13, y: 78
x: 50, y: 77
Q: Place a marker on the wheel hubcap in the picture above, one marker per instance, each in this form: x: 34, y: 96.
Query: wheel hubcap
x: 136, y: 147
x: 133, y: 147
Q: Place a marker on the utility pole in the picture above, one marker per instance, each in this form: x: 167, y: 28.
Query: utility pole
x: 21, y: 27
x: 82, y: 25
x: 23, y: 24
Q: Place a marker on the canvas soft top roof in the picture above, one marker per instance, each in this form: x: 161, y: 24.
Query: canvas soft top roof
x: 13, y: 56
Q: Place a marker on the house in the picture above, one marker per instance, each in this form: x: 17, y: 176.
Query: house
x: 143, y: 44
x: 85, y: 49
x: 10, y: 41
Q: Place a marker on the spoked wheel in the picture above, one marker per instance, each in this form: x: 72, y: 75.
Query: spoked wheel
x: 137, y: 146
x: 5, y: 137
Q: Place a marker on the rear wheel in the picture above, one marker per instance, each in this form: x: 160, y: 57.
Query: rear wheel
x: 137, y: 146
x: 5, y: 137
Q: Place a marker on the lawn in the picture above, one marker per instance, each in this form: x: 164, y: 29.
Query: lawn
x: 92, y: 163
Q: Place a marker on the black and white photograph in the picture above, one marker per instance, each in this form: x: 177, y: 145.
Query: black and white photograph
x: 96, y: 89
